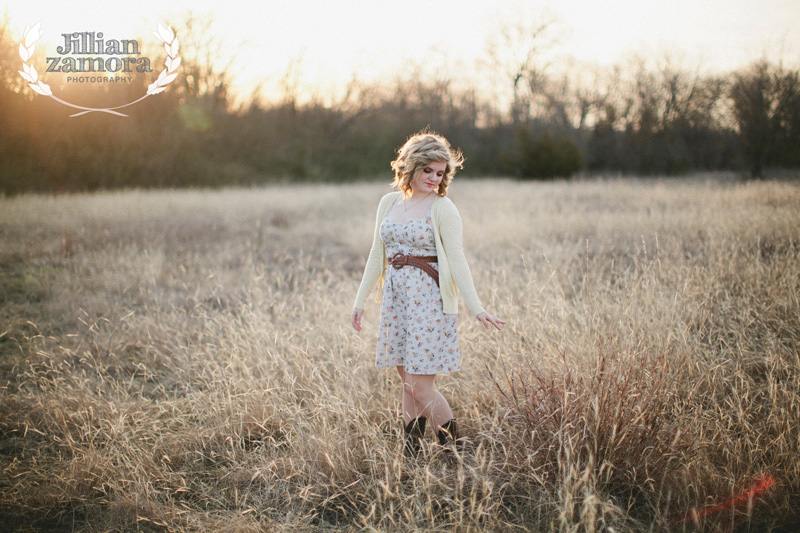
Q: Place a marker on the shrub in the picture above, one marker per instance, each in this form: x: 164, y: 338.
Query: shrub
x: 549, y: 157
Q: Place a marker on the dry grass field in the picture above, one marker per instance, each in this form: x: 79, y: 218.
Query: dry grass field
x: 183, y: 360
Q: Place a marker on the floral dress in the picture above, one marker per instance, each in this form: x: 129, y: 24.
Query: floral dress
x: 414, y: 332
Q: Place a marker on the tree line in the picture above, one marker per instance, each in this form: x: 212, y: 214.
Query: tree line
x: 643, y: 118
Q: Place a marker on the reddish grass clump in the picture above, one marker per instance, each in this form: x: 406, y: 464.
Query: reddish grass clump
x: 609, y: 437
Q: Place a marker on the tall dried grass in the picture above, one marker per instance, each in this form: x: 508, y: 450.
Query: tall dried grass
x: 183, y: 361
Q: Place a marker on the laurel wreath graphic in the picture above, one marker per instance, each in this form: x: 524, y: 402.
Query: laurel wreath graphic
x: 29, y: 74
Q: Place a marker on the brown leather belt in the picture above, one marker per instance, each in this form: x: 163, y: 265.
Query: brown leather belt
x: 399, y: 260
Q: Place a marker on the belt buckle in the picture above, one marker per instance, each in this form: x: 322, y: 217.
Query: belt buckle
x: 399, y: 260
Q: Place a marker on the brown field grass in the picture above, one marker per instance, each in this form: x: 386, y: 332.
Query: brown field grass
x: 183, y: 360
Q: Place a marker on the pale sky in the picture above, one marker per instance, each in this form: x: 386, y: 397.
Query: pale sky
x: 333, y: 40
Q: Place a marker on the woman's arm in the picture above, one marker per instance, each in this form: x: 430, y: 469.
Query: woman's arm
x: 450, y: 231
x: 374, y: 266
x: 451, y: 234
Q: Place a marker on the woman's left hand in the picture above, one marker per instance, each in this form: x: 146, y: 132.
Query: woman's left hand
x: 355, y: 318
x: 486, y: 319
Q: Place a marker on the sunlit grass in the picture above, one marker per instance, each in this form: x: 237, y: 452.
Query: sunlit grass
x: 183, y: 360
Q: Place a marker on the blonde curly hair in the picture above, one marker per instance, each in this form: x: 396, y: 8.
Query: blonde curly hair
x: 420, y: 150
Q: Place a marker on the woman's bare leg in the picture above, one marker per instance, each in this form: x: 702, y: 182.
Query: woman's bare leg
x: 409, y: 406
x: 428, y: 401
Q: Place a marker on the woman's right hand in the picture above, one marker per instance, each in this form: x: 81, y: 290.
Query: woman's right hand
x: 489, y: 320
x: 355, y: 318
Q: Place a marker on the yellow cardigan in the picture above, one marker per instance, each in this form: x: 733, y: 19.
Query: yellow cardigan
x: 453, y: 269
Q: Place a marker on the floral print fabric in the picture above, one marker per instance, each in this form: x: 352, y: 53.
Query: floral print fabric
x: 414, y: 332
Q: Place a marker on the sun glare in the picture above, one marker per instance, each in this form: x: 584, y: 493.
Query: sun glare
x: 324, y: 45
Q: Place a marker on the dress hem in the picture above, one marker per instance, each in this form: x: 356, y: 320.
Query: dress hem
x: 419, y: 373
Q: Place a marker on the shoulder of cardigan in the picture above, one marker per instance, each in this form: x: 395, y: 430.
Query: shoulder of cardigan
x: 387, y: 200
x: 390, y: 195
x: 444, y: 208
x: 445, y: 204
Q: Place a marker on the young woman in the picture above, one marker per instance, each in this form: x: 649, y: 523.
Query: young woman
x: 418, y: 262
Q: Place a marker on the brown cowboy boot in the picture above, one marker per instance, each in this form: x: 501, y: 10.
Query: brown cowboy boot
x: 415, y: 431
x: 449, y: 438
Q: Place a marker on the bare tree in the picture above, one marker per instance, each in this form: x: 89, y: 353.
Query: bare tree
x: 206, y: 74
x: 766, y: 107
x: 517, y: 51
x: 755, y: 102
x: 10, y: 62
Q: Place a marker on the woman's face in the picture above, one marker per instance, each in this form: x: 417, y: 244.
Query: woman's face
x: 428, y: 179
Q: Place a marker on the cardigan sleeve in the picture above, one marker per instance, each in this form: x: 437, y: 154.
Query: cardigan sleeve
x: 374, y: 266
x: 451, y: 234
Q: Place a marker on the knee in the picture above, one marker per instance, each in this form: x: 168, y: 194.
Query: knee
x: 422, y: 393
